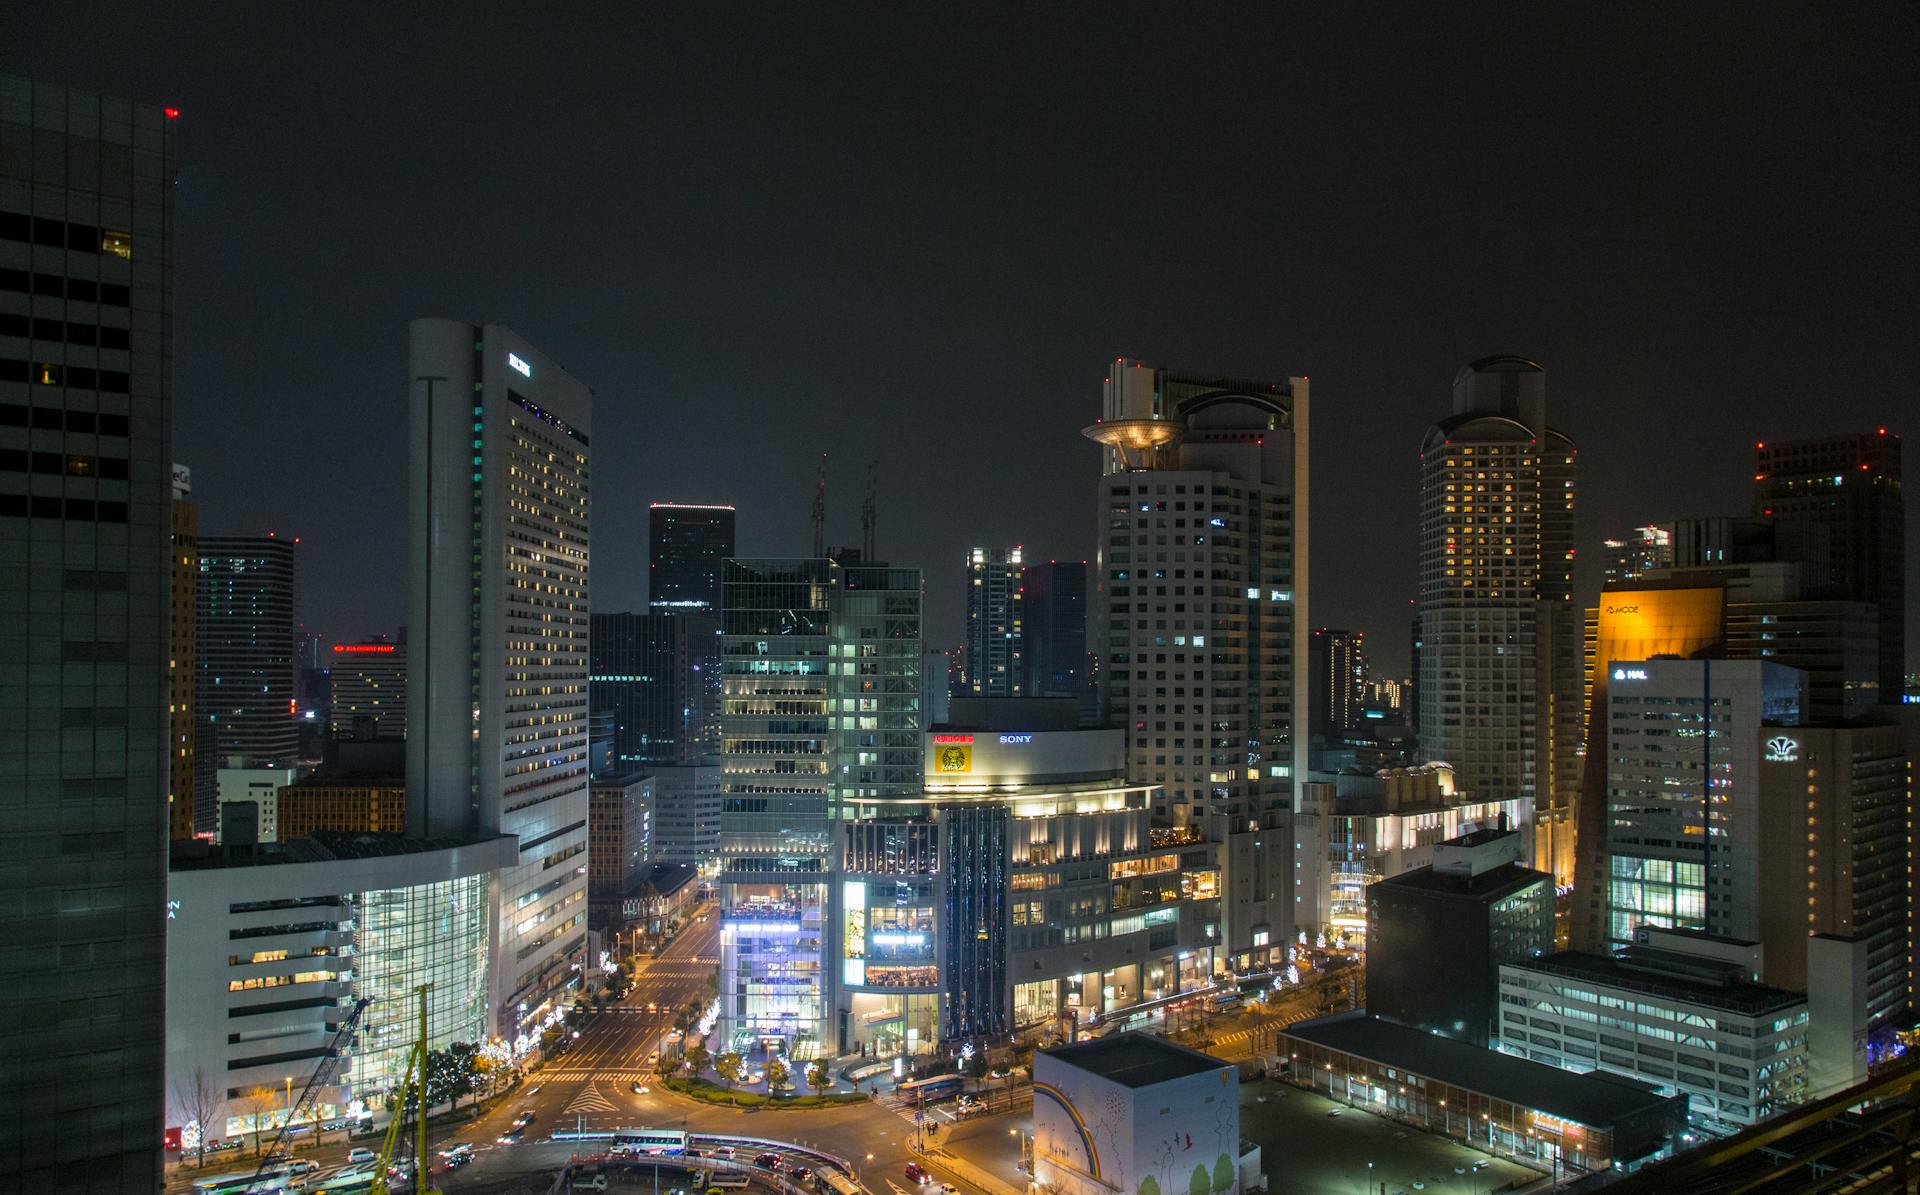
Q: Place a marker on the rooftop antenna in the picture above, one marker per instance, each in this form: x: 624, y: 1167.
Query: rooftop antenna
x: 867, y: 513
x: 820, y: 510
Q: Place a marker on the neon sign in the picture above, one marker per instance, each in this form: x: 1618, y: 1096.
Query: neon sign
x: 1781, y: 749
x: 953, y: 738
x: 362, y: 648
x: 520, y: 367
x: 1016, y: 738
x: 1629, y: 674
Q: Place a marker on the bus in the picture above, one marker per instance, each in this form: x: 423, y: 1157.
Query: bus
x: 832, y: 1182
x: 927, y: 1091
x: 649, y: 1142
x: 352, y: 1181
x: 1224, y: 1000
x: 265, y: 1181
x: 728, y: 1181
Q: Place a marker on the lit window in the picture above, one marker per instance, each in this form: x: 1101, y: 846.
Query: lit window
x: 118, y: 243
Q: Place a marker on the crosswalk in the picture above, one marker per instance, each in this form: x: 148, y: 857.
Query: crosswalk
x: 559, y: 1075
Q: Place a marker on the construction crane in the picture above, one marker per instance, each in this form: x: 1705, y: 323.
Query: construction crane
x: 416, y: 1077
x: 323, y: 1077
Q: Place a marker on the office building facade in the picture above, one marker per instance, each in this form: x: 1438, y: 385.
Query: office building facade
x: 86, y: 311
x: 686, y: 548
x: 1056, y: 629
x: 1636, y: 552
x: 995, y: 657
x: 686, y: 812
x: 244, y: 624
x: 183, y: 646
x: 497, y: 641
x: 821, y: 713
x: 1677, y: 1010
x: 1850, y: 486
x: 620, y: 846
x: 1499, y: 634
x: 1200, y: 603
x: 1473, y: 909
x: 657, y: 678
x: 1683, y: 756
x: 368, y: 690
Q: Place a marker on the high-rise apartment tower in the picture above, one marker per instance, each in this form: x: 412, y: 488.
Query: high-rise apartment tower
x: 1500, y: 638
x: 995, y: 658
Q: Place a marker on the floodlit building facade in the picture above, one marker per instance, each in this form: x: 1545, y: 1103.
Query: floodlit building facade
x: 1499, y: 635
x: 497, y: 641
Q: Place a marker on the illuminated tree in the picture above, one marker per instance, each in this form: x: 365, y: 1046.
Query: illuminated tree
x: 729, y: 1066
x: 199, y: 1097
x: 819, y: 1076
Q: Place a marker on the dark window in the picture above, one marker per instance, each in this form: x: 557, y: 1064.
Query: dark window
x: 81, y: 289
x: 114, y: 381
x: 49, y: 284
x: 114, y: 338
x: 14, y: 325
x: 79, y: 421
x: 113, y: 468
x: 116, y: 295
x: 113, y: 512
x: 14, y: 225
x: 18, y: 280
x: 113, y: 425
x: 49, y: 232
x: 83, y: 237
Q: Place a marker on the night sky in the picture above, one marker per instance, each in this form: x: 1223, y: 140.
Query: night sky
x: 920, y: 233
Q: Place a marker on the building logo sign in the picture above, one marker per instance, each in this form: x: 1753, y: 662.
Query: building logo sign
x: 1629, y: 674
x: 1016, y: 738
x: 954, y: 758
x: 953, y: 738
x: 1781, y: 749
x: 520, y: 367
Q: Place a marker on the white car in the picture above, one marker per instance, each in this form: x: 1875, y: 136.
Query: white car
x: 360, y: 1153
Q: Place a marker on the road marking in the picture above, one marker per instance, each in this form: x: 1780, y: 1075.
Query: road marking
x: 589, y: 1100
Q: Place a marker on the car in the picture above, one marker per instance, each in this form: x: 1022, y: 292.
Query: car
x: 1335, y: 1111
x: 653, y: 1060
x: 361, y: 1153
x: 999, y: 1072
x: 639, y: 1088
x: 456, y: 1149
x: 767, y: 1161
x: 511, y: 1136
x: 534, y: 1090
x: 524, y: 1119
x: 802, y: 1174
x: 949, y: 1189
x: 724, y: 1151
x: 458, y: 1160
x: 916, y: 1173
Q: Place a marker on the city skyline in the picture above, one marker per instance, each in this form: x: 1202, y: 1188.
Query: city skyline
x: 1575, y: 235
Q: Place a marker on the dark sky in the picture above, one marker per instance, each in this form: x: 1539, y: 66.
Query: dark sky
x: 919, y: 232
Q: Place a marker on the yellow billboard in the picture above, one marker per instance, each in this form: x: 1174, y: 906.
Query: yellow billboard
x: 953, y: 757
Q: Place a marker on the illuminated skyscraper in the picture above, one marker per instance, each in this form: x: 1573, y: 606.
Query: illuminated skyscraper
x: 1339, y: 662
x: 1200, y: 606
x: 820, y: 713
x: 1500, y: 638
x: 86, y: 250
x: 1641, y: 549
x: 497, y: 640
x: 995, y: 659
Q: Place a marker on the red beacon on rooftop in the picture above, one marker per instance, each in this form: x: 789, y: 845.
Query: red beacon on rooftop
x: 172, y: 113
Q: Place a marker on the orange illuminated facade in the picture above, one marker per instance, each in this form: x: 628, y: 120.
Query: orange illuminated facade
x: 1628, y: 625
x: 370, y: 806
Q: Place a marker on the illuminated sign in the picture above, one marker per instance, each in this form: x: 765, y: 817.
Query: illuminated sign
x: 1629, y: 674
x: 1555, y: 1124
x: 1623, y: 609
x: 1016, y: 738
x: 953, y: 738
x: 953, y: 759
x: 1781, y: 749
x: 520, y: 367
x: 362, y: 648
x: 897, y: 939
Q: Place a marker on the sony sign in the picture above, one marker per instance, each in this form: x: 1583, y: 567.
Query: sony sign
x: 1016, y: 738
x: 1781, y: 749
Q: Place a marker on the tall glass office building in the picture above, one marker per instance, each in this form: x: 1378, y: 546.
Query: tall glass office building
x: 86, y: 308
x: 432, y: 933
x: 821, y: 708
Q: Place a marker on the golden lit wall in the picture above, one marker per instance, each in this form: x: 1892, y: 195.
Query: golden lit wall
x: 1628, y: 624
